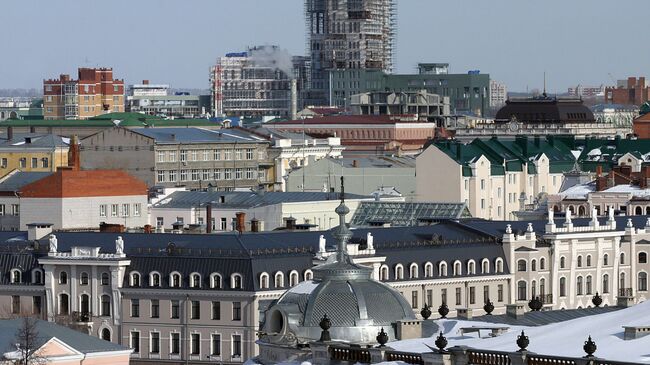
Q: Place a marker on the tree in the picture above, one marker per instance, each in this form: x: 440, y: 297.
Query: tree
x: 27, y: 343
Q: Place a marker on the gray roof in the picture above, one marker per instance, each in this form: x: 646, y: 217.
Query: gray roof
x: 240, y: 200
x: 376, y: 162
x: 19, y: 141
x: 544, y: 317
x: 405, y: 213
x: 197, y: 135
x: 46, y: 330
x: 16, y: 180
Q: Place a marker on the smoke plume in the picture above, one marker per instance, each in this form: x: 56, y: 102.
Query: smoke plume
x: 272, y: 57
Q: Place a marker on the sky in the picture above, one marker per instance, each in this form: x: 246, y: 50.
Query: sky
x: 588, y: 42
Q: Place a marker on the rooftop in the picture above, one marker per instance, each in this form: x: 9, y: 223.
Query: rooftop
x: 15, y: 180
x: 33, y: 140
x: 405, y: 214
x: 68, y: 183
x: 198, y: 135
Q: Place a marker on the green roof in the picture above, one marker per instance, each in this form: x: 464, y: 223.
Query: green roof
x: 106, y: 120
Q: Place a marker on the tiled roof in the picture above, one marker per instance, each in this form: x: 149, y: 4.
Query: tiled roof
x: 73, y: 183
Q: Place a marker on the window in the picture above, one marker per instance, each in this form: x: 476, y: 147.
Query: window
x: 34, y: 162
x: 605, y: 259
x: 216, y: 311
x: 414, y: 299
x: 195, y: 344
x: 522, y: 293
x: 383, y: 273
x: 521, y: 265
x: 195, y: 281
x: 106, y: 334
x: 428, y: 270
x: 309, y: 275
x: 102, y: 210
x: 236, y: 281
x: 135, y: 341
x: 15, y: 276
x: 236, y: 345
x: 500, y: 293
x: 293, y: 278
x: 83, y: 280
x: 622, y: 258
x: 36, y: 305
x: 175, y: 348
x: 458, y: 296
x: 643, y: 258
x: 136, y: 209
x: 154, y: 279
x: 472, y: 295
x: 2, y: 209
x: 588, y: 285
x: 161, y: 156
x: 15, y: 304
x: 155, y: 343
x: 37, y: 278
x: 486, y: 293
x: 135, y: 308
x: 499, y: 265
x: 413, y: 271
x: 183, y: 175
x: 160, y: 176
x: 175, y: 309
x: 227, y: 154
x: 579, y: 261
x: 172, y: 176
x: 216, y: 345
x: 106, y: 306
x: 238, y: 174
x: 217, y: 155
x: 114, y: 208
x: 249, y: 153
x: 63, y: 277
x: 443, y: 269
x: 482, y: 184
x: 485, y: 266
x: 562, y: 262
x: 471, y: 267
x: 542, y: 263
x: 172, y: 156
x: 579, y: 285
x: 135, y: 279
x: 64, y: 304
x: 533, y: 265
x: 236, y: 311
x: 443, y: 296
x: 194, y: 155
x: 206, y: 155
x: 196, y: 175
x: 238, y: 154
x: 643, y: 281
x: 15, y: 209
x: 399, y: 272
x: 458, y: 270
x: 155, y: 308
x: 22, y: 162
x: 215, y: 281
x: 3, y: 162
x: 250, y: 173
x: 605, y: 284
x: 175, y: 280
x: 183, y: 155
x: 588, y: 260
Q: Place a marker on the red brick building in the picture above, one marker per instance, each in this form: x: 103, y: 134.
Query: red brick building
x: 634, y: 93
x: 94, y: 92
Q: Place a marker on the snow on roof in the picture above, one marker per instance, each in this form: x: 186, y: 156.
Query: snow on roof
x: 558, y: 339
x: 578, y: 191
x: 631, y: 189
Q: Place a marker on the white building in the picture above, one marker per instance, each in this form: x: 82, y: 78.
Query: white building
x: 498, y: 94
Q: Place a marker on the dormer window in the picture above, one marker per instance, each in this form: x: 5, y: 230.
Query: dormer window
x: 175, y: 280
x: 215, y: 281
x: 196, y: 280
x: 135, y: 279
x: 236, y: 281
x: 154, y: 280
x: 15, y: 276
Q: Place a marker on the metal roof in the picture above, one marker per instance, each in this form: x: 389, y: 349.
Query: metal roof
x: 405, y: 213
x: 544, y: 317
x: 16, y: 180
x: 198, y: 135
x: 32, y: 140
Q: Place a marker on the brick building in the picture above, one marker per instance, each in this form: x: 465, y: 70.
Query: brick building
x: 633, y: 92
x: 94, y: 92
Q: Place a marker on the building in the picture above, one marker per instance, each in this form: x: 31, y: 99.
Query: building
x: 21, y: 108
x: 10, y: 185
x: 498, y: 94
x: 220, y: 211
x: 467, y: 93
x: 405, y: 214
x: 616, y: 115
x: 152, y: 99
x: 364, y: 175
x: 494, y: 177
x: 32, y: 152
x: 355, y: 35
x: 581, y: 91
x: 53, y: 343
x: 257, y: 83
x: 365, y: 134
x: 641, y: 126
x: 632, y: 92
x: 196, y: 158
x: 94, y: 92
x: 425, y: 106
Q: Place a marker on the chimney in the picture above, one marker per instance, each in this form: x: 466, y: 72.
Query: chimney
x: 36, y: 231
x: 73, y: 153
x: 208, y: 218
x: 294, y: 99
x: 355, y: 163
x: 145, y: 82
x: 256, y: 225
x: 241, y: 222
x: 290, y: 223
x: 32, y: 129
x: 10, y: 133
x: 148, y: 228
x: 601, y: 183
x: 599, y: 171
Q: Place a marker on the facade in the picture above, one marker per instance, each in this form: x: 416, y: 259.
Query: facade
x: 582, y: 91
x: 196, y: 158
x: 494, y: 177
x: 94, y: 92
x: 180, y: 298
x: 355, y: 35
x: 632, y: 92
x: 641, y: 126
x: 419, y: 103
x: 32, y: 153
x: 498, y: 94
x: 257, y: 83
x: 364, y: 176
x: 467, y: 93
x: 152, y: 99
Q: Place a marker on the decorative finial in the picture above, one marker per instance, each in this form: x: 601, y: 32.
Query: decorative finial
x: 382, y: 338
x: 441, y: 343
x: 522, y: 342
x: 508, y: 229
x: 342, y: 190
x: 325, y: 325
x: 629, y: 223
x: 589, y: 347
x: 551, y: 218
x: 529, y: 228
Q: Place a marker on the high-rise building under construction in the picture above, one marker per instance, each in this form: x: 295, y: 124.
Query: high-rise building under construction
x: 348, y: 34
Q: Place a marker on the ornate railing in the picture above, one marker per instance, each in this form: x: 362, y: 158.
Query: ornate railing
x: 406, y: 357
x: 548, y: 360
x: 546, y: 298
x: 481, y: 357
x: 625, y: 292
x: 353, y: 354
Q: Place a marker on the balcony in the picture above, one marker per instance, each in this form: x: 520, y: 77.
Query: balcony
x: 625, y: 292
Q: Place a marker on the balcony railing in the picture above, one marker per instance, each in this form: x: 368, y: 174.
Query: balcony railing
x: 625, y: 292
x: 82, y: 317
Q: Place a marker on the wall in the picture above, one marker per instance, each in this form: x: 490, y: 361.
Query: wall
x: 438, y: 177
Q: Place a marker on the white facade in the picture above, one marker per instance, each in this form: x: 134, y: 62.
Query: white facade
x: 498, y: 94
x: 290, y: 154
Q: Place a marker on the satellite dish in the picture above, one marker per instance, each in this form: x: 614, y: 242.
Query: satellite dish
x: 117, y: 122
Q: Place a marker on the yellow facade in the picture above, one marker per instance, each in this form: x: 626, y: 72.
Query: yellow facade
x: 33, y: 161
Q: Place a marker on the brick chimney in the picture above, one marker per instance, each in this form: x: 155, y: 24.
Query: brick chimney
x: 73, y: 153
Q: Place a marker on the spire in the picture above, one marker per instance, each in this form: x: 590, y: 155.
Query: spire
x: 342, y: 233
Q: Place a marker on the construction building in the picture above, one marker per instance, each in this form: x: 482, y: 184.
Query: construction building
x: 95, y: 92
x: 157, y: 99
x: 258, y: 82
x: 421, y: 104
x: 347, y: 35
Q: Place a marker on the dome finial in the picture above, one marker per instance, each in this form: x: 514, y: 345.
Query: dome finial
x: 342, y: 190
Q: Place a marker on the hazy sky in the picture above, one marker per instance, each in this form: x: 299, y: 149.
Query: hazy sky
x: 165, y: 41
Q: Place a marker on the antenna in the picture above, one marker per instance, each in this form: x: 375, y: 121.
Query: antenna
x: 544, y: 84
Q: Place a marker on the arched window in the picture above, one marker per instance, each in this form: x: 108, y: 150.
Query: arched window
x: 533, y: 265
x: 563, y: 287
x: 15, y: 276
x: 521, y: 265
x: 588, y: 285
x: 309, y: 275
x: 521, y: 290
x: 458, y: 268
x: 588, y: 260
x: 63, y: 277
x: 605, y: 259
x: 383, y: 273
x: 279, y: 280
x: 293, y: 278
x: 621, y: 279
x: 84, y: 302
x: 106, y: 334
x: 542, y: 264
x: 235, y: 281
x: 154, y: 279
x: 195, y: 280
x: 264, y: 280
x: 562, y: 262
x: 647, y: 210
x: 643, y: 258
x: 499, y: 265
x: 106, y: 279
x: 638, y: 211
x: 64, y: 304
x: 579, y: 285
x: 428, y: 270
x: 413, y: 271
x: 216, y: 281
x: 442, y: 269
x: 37, y: 276
x: 105, y: 309
x: 605, y: 284
x: 579, y: 261
x: 622, y: 259
x: 643, y: 281
x: 485, y: 266
x: 399, y: 272
x: 533, y: 289
x: 135, y: 279
x: 83, y: 278
x: 471, y: 267
x: 175, y: 280
x: 542, y: 287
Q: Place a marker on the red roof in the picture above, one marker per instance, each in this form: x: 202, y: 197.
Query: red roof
x: 324, y: 110
x: 349, y: 119
x: 66, y: 183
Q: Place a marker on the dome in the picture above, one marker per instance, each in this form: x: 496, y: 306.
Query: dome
x: 545, y: 110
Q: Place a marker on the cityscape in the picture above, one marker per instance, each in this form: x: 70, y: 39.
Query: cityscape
x: 372, y: 186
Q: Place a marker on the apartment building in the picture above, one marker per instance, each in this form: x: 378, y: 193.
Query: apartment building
x: 32, y: 152
x: 94, y: 92
x: 225, y: 159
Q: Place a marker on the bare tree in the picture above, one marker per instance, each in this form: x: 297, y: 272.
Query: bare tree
x: 27, y: 343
